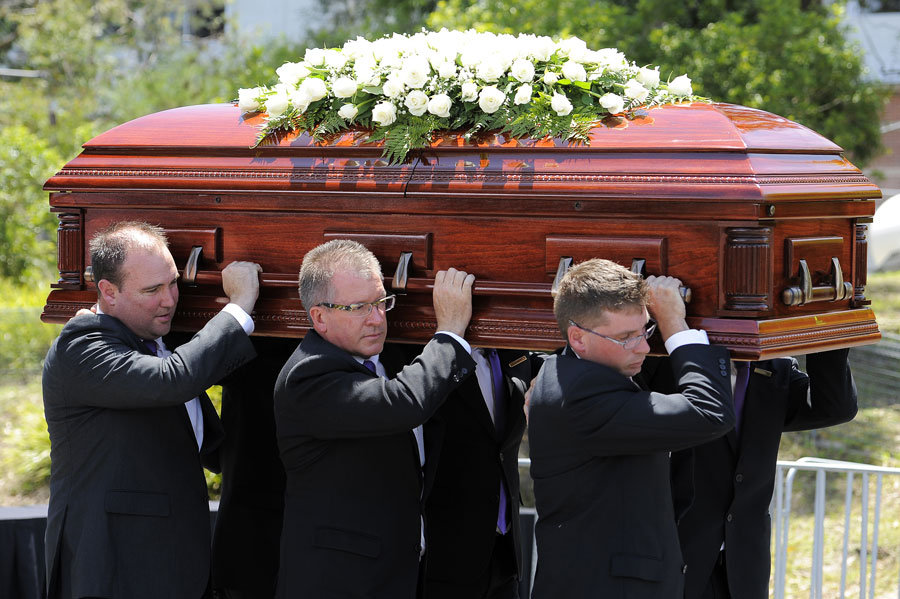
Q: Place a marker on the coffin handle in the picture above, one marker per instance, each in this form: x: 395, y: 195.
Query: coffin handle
x: 401, y: 275
x: 842, y: 289
x: 88, y: 274
x: 564, y: 264
x: 637, y: 267
x: 189, y: 275
x: 805, y: 293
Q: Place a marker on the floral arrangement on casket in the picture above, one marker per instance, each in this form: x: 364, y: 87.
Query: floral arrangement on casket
x: 404, y: 88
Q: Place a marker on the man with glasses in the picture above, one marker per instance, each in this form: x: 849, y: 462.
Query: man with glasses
x: 348, y: 421
x: 600, y: 444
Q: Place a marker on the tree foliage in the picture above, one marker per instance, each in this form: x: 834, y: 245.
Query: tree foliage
x: 789, y: 57
x: 104, y: 62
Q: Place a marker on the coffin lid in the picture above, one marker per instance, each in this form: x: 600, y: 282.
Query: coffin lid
x: 666, y: 151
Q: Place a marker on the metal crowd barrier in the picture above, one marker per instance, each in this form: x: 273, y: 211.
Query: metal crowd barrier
x: 780, y: 508
x: 868, y: 550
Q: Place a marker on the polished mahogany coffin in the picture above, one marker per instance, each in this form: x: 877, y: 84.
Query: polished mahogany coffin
x: 762, y: 219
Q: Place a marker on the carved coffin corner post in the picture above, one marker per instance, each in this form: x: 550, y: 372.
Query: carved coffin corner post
x: 70, y: 247
x: 747, y: 264
x: 860, y: 263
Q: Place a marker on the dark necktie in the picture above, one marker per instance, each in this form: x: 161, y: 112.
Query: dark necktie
x: 370, y: 365
x: 499, y: 423
x: 152, y: 346
x: 742, y: 370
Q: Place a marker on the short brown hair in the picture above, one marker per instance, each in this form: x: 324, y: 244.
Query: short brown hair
x: 321, y: 262
x: 109, y: 247
x: 592, y: 287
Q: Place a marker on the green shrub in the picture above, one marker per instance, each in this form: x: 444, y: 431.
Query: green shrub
x: 24, y: 339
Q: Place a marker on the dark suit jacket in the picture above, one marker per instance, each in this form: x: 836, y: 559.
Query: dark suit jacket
x: 353, y: 508
x: 248, y: 524
x: 728, y: 482
x: 466, y: 460
x: 600, y: 464
x: 128, y: 515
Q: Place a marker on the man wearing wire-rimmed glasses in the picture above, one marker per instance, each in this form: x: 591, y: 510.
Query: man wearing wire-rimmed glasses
x: 600, y: 444
x: 348, y: 421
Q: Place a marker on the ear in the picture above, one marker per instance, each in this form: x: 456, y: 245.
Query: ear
x: 109, y: 292
x: 576, y: 339
x: 317, y: 318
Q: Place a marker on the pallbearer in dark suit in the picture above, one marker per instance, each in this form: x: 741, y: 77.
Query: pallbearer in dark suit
x: 349, y: 430
x: 722, y: 489
x: 600, y: 445
x: 130, y: 426
x: 472, y: 506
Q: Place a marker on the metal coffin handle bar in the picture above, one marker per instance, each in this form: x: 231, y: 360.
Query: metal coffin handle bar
x: 805, y: 293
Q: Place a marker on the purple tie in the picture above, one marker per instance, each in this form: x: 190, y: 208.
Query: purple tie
x: 151, y: 345
x: 370, y: 365
x: 742, y: 370
x: 499, y: 418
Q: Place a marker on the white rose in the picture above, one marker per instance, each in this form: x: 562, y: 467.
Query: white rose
x: 366, y: 76
x: 348, y: 111
x: 357, y: 48
x: 612, y: 103
x: 447, y: 70
x: 291, y: 72
x: 313, y: 89
x: 470, y: 57
x: 335, y: 59
x: 648, y: 77
x: 277, y: 103
x: 299, y: 100
x: 490, y: 70
x: 635, y: 91
x: 248, y: 99
x: 681, y: 86
x: 384, y: 113
x: 550, y: 78
x: 393, y: 87
x: 314, y: 57
x: 523, y: 94
x: 560, y: 104
x: 574, y: 71
x: 543, y: 48
x: 469, y: 91
x: 344, y: 87
x: 417, y: 102
x: 523, y: 70
x: 439, y: 105
x: 611, y: 58
x: 573, y: 47
x: 490, y: 99
x: 415, y: 71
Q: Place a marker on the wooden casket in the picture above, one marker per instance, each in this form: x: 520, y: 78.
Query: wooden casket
x: 762, y: 219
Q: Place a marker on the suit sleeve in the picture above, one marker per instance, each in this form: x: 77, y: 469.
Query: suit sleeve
x: 614, y: 418
x: 823, y: 396
x: 327, y: 397
x: 109, y: 373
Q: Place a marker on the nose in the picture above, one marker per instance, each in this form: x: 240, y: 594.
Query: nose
x: 376, y: 316
x: 643, y: 347
x: 169, y: 297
